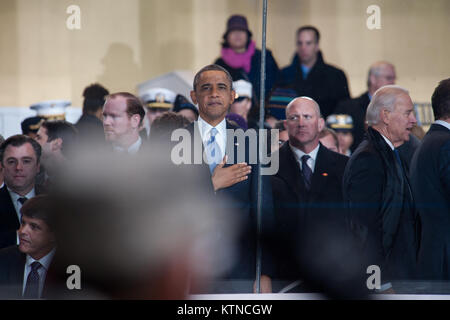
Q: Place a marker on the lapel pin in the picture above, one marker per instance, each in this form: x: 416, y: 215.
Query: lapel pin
x: 325, y: 174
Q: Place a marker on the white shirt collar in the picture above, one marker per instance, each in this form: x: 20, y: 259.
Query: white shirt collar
x: 15, y: 197
x: 443, y: 123
x: 15, y: 200
x: 388, y: 142
x: 299, y: 154
x: 205, y: 132
x: 44, y: 261
x: 133, y: 149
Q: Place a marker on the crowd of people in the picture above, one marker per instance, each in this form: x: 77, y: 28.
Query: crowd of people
x: 355, y: 187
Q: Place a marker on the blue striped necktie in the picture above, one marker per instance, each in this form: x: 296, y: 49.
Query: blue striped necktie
x: 213, y: 151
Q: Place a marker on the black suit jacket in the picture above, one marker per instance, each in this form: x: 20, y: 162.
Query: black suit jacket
x: 307, y: 221
x: 381, y: 210
x: 325, y: 83
x: 12, y: 264
x: 90, y: 130
x: 241, y: 201
x: 9, y: 222
x: 356, y: 108
x: 12, y: 267
x: 430, y: 180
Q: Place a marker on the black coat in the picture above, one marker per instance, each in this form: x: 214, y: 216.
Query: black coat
x: 90, y: 129
x: 241, y: 202
x: 326, y: 84
x: 12, y: 267
x: 430, y: 180
x: 356, y: 108
x: 306, y: 220
x: 254, y: 76
x: 9, y: 222
x: 381, y: 210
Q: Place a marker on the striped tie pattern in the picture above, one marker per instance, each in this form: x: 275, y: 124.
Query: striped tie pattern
x: 213, y: 151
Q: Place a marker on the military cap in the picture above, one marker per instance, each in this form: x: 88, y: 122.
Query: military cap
x: 52, y: 109
x: 159, y: 98
x: 340, y: 122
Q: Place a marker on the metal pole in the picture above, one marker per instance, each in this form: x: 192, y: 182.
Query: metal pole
x: 261, y: 126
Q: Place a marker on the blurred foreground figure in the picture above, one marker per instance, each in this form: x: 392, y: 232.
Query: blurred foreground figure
x: 135, y: 231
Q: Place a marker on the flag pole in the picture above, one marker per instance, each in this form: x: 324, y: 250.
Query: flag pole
x: 261, y: 126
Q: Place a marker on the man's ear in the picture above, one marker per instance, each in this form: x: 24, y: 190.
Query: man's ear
x: 233, y: 96
x: 193, y: 97
x: 384, y: 115
x: 56, y: 144
x: 135, y: 121
x: 321, y: 124
x: 285, y: 124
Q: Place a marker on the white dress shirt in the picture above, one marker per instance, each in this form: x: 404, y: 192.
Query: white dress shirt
x: 312, y: 156
x: 388, y: 142
x: 133, y: 149
x: 42, y: 271
x: 221, y: 136
x: 17, y: 205
x: 443, y: 123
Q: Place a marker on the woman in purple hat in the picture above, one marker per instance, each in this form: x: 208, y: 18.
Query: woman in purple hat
x: 241, y: 58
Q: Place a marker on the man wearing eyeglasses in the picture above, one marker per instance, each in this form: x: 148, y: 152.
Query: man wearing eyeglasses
x: 308, y: 198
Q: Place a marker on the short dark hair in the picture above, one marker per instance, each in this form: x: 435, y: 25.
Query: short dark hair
x: 164, y: 124
x: 440, y: 100
x: 309, y: 28
x: 64, y: 130
x: 212, y: 67
x: 134, y: 104
x: 94, y: 98
x: 39, y: 207
x: 19, y: 140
